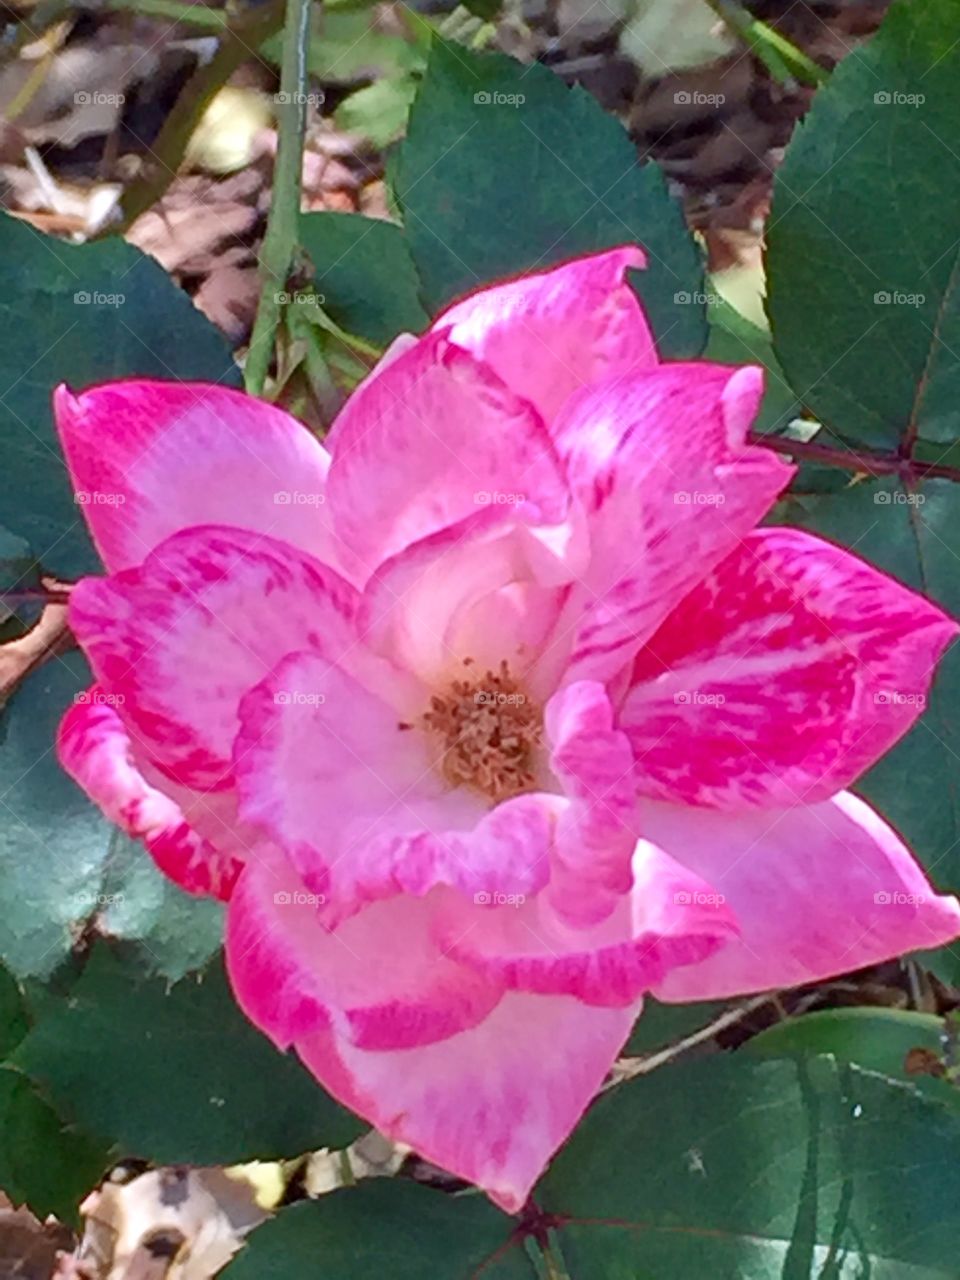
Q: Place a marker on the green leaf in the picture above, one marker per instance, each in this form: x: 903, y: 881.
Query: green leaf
x: 385, y: 1227
x: 731, y: 1169
x: 505, y: 170
x: 378, y: 111
x: 364, y: 271
x: 871, y: 1037
x: 43, y: 1164
x: 53, y: 842
x: 865, y: 238
x: 913, y: 534
x: 176, y: 1074
x: 21, y: 593
x: 13, y: 1018
x: 660, y: 1025
x: 62, y: 863
x: 80, y: 314
x: 736, y: 340
x: 173, y: 931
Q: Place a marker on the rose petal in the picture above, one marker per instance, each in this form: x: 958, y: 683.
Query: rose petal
x: 818, y: 890
x: 377, y: 979
x: 661, y: 464
x: 492, y: 1104
x: 550, y: 333
x: 780, y: 678
x: 670, y: 918
x: 180, y: 639
x: 425, y: 441
x: 597, y: 831
x: 95, y: 750
x: 148, y: 459
x: 431, y: 607
x: 330, y: 770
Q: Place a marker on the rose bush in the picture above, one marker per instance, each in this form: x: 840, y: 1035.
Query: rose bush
x: 497, y: 713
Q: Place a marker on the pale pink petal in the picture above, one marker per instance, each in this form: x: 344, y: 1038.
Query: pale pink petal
x: 661, y: 465
x: 597, y: 831
x: 492, y: 1104
x: 466, y: 597
x: 818, y: 890
x: 179, y: 640
x: 550, y: 333
x: 352, y: 790
x: 148, y: 459
x: 95, y: 750
x: 781, y: 677
x: 425, y: 442
x: 671, y: 917
x: 378, y: 979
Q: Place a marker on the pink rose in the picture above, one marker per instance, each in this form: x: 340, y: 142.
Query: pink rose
x: 499, y: 714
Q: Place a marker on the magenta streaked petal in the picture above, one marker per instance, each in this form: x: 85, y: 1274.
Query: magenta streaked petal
x: 425, y: 442
x: 671, y: 917
x: 95, y: 750
x: 598, y: 829
x: 780, y: 678
x: 148, y: 459
x: 378, y: 978
x: 661, y: 465
x: 491, y: 1104
x: 818, y: 890
x: 550, y: 333
x: 179, y: 640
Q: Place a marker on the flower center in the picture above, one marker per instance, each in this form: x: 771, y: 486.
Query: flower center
x: 491, y: 732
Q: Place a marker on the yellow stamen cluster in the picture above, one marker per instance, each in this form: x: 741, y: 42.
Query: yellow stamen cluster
x: 491, y: 731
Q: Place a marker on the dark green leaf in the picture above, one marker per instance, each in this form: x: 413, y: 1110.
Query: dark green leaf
x: 741, y: 1170
x: 660, y: 1025
x: 21, y: 594
x: 385, y: 1227
x: 176, y: 1074
x: 13, y: 1018
x: 880, y: 1039
x: 80, y: 314
x: 505, y: 170
x: 865, y: 238
x: 365, y: 273
x: 62, y: 864
x: 173, y: 932
x: 52, y: 841
x: 736, y: 340
x: 43, y: 1164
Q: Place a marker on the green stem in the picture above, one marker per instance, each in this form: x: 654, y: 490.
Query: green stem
x: 283, y: 225
x: 238, y: 42
x: 779, y: 55
x: 554, y: 1265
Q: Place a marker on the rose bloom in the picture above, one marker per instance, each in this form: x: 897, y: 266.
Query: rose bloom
x: 496, y: 713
